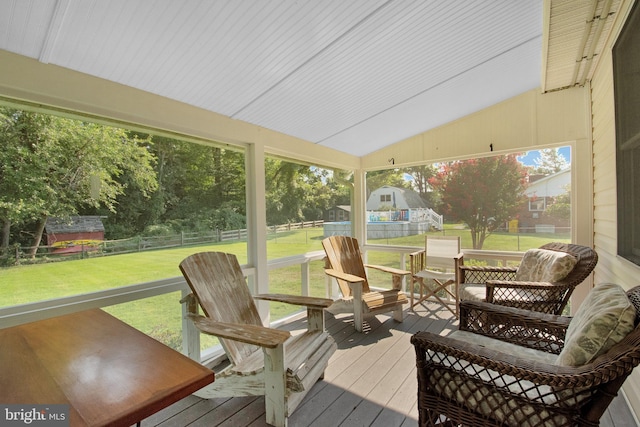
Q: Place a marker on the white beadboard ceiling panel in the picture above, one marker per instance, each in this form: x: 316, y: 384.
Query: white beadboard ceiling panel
x: 353, y: 75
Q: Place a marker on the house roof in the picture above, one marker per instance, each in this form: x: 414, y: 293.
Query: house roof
x: 550, y: 185
x: 412, y: 198
x: 352, y: 75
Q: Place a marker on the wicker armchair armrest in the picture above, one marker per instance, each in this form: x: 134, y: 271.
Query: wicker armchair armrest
x: 540, y: 331
x: 519, y: 284
x: 480, y: 274
x: 490, y: 268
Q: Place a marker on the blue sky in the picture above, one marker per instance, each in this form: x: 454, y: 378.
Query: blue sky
x: 532, y: 155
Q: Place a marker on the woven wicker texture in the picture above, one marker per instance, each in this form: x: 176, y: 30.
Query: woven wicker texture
x: 460, y: 383
x: 546, y: 297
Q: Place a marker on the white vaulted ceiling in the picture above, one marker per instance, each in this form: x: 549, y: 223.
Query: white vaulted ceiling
x: 353, y: 75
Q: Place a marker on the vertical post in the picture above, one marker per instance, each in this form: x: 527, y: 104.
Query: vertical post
x: 315, y: 319
x: 190, y: 334
x: 403, y: 266
x: 358, y: 315
x: 275, y: 383
x: 256, y: 220
x: 305, y: 273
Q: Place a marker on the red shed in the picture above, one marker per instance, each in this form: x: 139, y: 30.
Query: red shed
x: 74, y: 233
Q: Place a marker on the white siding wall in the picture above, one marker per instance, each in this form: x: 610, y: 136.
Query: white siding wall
x: 610, y: 268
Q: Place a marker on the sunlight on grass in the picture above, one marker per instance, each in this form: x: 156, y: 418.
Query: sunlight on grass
x: 160, y: 316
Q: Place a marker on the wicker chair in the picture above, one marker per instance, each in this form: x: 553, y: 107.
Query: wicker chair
x: 488, y: 373
x: 498, y: 285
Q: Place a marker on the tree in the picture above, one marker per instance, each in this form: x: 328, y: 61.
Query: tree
x: 53, y: 166
x: 561, y: 206
x: 483, y: 193
x: 421, y: 176
x: 550, y: 161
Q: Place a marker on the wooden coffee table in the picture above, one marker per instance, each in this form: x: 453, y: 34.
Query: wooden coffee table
x: 106, y: 371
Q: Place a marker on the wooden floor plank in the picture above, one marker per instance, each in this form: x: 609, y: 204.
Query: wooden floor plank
x: 231, y: 409
x: 370, y: 381
x: 388, y: 418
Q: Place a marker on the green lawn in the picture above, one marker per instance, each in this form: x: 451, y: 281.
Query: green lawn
x: 161, y: 316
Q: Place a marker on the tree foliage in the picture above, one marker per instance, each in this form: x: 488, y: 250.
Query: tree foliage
x: 550, y: 161
x: 140, y: 183
x: 484, y: 193
x: 561, y: 206
x: 297, y: 192
x: 52, y: 166
x: 421, y: 176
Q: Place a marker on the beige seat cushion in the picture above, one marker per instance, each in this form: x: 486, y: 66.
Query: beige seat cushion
x: 482, y: 399
x: 542, y: 265
x: 472, y: 292
x: 529, y: 354
x: 604, y: 318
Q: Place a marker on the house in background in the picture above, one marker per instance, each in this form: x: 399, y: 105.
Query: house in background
x: 387, y: 198
x: 337, y: 214
x: 542, y: 193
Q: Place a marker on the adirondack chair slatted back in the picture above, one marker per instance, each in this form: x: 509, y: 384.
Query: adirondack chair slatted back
x: 343, y: 253
x: 216, y: 280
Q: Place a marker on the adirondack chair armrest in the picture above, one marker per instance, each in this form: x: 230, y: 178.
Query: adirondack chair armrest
x: 311, y: 302
x: 250, y: 334
x: 343, y: 276
x: 383, y: 268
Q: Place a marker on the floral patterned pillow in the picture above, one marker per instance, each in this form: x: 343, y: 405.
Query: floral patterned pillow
x: 542, y: 265
x: 604, y: 318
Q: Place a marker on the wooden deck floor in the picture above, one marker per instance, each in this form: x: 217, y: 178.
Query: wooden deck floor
x: 370, y: 381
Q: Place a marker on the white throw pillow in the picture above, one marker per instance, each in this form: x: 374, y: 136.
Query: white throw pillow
x: 542, y: 265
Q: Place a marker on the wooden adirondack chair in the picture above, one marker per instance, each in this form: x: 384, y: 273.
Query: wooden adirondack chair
x: 263, y: 361
x: 344, y: 263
